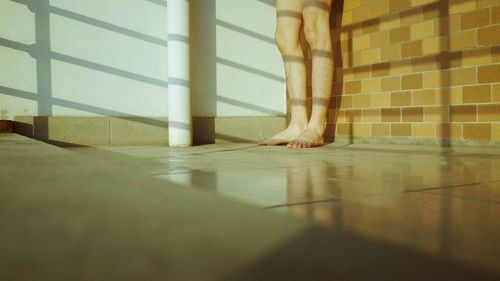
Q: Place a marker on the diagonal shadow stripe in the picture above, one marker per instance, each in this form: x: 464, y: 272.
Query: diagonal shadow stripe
x: 108, y: 69
x: 107, y: 26
x: 250, y: 69
x: 87, y: 108
x: 248, y: 106
x: 162, y: 3
x: 245, y: 31
x: 16, y: 45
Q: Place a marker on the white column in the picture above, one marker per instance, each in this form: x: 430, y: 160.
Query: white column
x: 179, y: 95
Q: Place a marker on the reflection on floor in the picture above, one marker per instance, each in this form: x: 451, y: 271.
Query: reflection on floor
x: 444, y: 202
x: 156, y: 213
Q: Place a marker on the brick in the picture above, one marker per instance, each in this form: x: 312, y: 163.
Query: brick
x: 411, y: 81
x: 361, y: 130
x: 445, y: 96
x: 413, y: 114
x: 423, y: 64
x: 361, y: 42
x: 401, y: 67
x: 346, y: 102
x: 495, y: 93
x: 391, y: 115
x: 353, y: 115
x: 437, y: 114
x: 477, y: 132
x: 398, y: 35
x: 347, y: 18
x: 370, y: 26
x: 489, y: 73
x: 381, y: 130
x: 489, y: 112
x: 495, y: 132
x: 461, y: 6
x: 390, y: 22
x: 463, y: 113
x: 370, y: 85
x: 422, y: 2
x: 475, y: 19
x: 361, y: 101
x: 361, y: 72
x: 425, y: 130
x: 392, y: 83
x: 381, y: 100
x: 396, y: 6
x: 424, y: 97
x: 447, y: 25
x: 353, y: 87
x: 379, y: 39
x: 370, y: 10
x: 391, y: 52
x: 449, y: 131
x: 370, y: 56
x: 489, y: 35
x: 401, y: 98
x: 450, y: 59
x: 434, y: 45
x: 343, y: 129
x: 462, y: 40
x: 412, y: 16
x: 351, y: 4
x: 435, y: 79
x: 372, y: 115
x: 432, y: 10
x: 422, y: 30
x: 400, y: 130
x: 486, y: 3
x: 381, y: 69
x: 462, y: 76
x: 476, y: 94
x: 411, y: 49
x: 495, y: 15
x: 476, y: 56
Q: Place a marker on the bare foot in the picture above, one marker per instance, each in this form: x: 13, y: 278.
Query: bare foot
x: 308, y: 138
x: 284, y: 137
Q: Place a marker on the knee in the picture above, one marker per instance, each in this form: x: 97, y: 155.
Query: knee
x: 286, y: 41
x: 317, y: 30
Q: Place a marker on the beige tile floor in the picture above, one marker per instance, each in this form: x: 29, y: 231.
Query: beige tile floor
x: 156, y: 213
x: 444, y: 202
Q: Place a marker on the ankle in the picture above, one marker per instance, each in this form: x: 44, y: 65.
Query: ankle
x: 318, y: 127
x: 299, y: 123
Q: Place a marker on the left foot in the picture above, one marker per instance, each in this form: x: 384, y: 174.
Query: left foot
x: 307, y: 139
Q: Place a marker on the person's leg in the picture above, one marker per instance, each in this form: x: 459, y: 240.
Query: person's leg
x: 317, y: 32
x: 288, y: 26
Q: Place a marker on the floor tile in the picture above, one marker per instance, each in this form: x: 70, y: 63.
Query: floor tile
x: 440, y: 225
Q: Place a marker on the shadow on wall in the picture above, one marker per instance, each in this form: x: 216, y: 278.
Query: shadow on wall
x: 337, y: 10
x: 203, y: 75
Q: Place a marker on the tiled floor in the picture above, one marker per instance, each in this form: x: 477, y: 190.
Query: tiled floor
x: 444, y: 202
x: 156, y: 213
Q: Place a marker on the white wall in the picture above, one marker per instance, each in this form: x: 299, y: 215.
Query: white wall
x: 108, y: 57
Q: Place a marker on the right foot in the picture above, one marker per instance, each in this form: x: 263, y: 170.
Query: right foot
x: 284, y: 137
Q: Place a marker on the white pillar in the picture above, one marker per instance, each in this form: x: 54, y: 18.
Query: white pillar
x: 179, y: 95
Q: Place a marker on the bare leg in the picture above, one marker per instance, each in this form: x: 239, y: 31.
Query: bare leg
x: 289, y: 23
x: 317, y: 31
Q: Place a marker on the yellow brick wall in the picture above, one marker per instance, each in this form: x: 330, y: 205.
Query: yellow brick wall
x: 422, y: 69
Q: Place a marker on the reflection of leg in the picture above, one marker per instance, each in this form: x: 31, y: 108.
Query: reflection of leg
x: 321, y: 190
x: 298, y: 191
x: 289, y: 23
x: 317, y: 31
